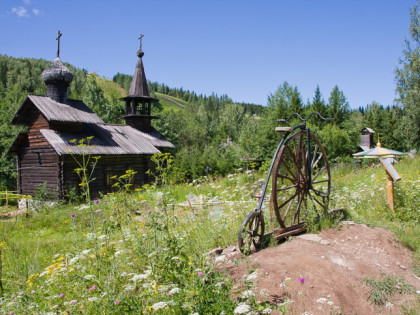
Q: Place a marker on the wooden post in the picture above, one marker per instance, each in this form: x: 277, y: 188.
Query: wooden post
x: 390, y: 190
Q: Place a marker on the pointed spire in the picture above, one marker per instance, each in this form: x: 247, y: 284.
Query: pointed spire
x: 138, y: 86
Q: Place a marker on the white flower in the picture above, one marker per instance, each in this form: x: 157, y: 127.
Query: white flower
x: 139, y: 277
x: 247, y: 294
x: 87, y: 251
x: 119, y: 252
x: 93, y: 299
x: 174, y: 290
x: 266, y: 311
x: 321, y: 300
x: 252, y: 276
x: 89, y: 277
x: 129, y: 287
x: 159, y: 305
x: 389, y: 305
x: 242, y: 308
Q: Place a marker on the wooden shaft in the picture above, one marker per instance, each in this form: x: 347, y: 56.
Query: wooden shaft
x: 390, y: 190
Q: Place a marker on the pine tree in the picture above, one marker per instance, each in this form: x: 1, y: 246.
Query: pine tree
x: 408, y: 85
x: 338, y: 107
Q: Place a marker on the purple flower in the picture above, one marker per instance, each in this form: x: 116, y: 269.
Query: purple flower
x: 170, y: 293
x: 33, y: 292
x: 200, y: 274
x: 117, y: 301
x: 73, y: 302
x: 302, y: 280
x: 21, y: 293
x: 13, y: 295
x: 94, y: 287
x: 62, y: 295
x: 11, y: 313
x: 72, y: 215
x: 96, y: 201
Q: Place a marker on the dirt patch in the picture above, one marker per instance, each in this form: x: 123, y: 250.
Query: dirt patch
x: 323, y: 273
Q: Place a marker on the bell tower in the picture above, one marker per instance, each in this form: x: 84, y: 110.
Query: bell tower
x: 138, y: 103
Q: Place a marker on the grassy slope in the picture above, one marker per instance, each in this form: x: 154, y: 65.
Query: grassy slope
x: 32, y: 245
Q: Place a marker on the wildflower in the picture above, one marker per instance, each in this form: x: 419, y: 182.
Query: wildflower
x: 247, y: 294
x: 33, y: 292
x: 200, y: 274
x: 302, y: 280
x: 159, y: 305
x: 117, y: 301
x: 72, y: 215
x: 96, y: 201
x: 62, y: 295
x: 242, y: 308
x: 21, y: 293
x: 174, y: 290
x: 73, y: 302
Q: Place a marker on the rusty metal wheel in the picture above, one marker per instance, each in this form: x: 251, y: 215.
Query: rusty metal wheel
x: 251, y: 233
x: 300, y: 181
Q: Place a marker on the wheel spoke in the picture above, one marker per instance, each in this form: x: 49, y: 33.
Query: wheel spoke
x: 314, y: 155
x: 314, y: 198
x: 286, y: 177
x: 319, y: 193
x: 298, y: 208
x: 284, y: 203
x: 317, y: 161
x: 321, y: 181
x: 286, y: 188
x: 319, y: 173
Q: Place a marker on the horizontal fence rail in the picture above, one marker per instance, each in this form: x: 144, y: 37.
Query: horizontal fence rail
x: 12, y: 194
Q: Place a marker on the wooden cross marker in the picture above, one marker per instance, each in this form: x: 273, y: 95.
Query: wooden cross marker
x: 141, y: 36
x: 58, y: 40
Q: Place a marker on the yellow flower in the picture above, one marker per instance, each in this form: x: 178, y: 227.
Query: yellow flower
x: 2, y: 244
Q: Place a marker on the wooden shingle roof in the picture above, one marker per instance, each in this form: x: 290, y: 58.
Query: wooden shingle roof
x: 72, y: 111
x: 107, y: 140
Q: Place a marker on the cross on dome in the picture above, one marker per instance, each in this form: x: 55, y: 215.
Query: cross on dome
x: 58, y: 43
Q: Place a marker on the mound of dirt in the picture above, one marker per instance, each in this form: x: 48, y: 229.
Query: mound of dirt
x: 323, y: 273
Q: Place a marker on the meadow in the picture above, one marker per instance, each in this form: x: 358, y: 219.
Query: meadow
x: 145, y: 251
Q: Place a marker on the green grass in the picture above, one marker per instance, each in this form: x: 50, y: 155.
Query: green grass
x: 384, y: 290
x: 362, y: 193
x: 146, y: 253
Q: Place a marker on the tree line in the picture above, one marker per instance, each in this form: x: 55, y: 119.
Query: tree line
x: 214, y: 135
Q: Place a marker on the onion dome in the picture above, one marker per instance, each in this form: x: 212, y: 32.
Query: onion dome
x: 57, y: 72
x: 57, y: 78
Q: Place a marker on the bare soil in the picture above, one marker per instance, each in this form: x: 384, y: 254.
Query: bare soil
x: 323, y: 273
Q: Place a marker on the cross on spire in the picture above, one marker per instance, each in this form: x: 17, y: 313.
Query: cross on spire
x: 141, y: 36
x: 58, y: 40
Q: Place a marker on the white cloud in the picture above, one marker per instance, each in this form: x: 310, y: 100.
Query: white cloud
x: 27, y: 2
x: 20, y: 12
x: 36, y: 11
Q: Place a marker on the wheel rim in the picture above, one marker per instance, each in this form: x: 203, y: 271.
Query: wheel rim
x: 251, y: 233
x: 296, y: 193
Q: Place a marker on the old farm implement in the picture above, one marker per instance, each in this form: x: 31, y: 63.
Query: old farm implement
x: 300, y: 183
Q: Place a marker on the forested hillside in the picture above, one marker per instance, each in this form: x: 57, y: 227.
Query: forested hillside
x: 214, y: 135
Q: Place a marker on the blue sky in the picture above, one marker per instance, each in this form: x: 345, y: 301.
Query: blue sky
x: 244, y: 49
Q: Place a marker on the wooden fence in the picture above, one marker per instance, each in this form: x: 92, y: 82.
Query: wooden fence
x: 12, y: 194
